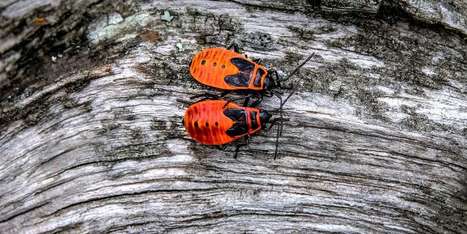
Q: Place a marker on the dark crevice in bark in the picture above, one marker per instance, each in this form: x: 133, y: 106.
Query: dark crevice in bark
x: 24, y: 211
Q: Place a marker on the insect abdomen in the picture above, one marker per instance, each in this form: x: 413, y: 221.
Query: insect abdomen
x: 206, y: 123
x: 210, y: 66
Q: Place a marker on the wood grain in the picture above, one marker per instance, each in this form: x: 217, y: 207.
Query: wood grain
x: 94, y: 142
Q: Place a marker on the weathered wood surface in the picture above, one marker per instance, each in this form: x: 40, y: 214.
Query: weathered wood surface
x: 91, y: 137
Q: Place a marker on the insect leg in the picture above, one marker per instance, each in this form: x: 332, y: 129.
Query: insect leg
x: 258, y: 60
x: 220, y: 147
x: 247, y: 100
x: 226, y: 103
x: 234, y: 46
x: 277, y: 79
x: 273, y: 122
x: 208, y: 96
x: 223, y: 94
x: 281, y: 111
x: 239, y: 145
x: 268, y: 94
x: 258, y: 100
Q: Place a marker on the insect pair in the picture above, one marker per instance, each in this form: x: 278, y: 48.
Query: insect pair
x: 215, y: 121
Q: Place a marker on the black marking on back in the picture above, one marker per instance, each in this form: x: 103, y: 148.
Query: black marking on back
x: 242, y: 78
x: 240, y: 125
x: 254, y: 123
x: 259, y: 74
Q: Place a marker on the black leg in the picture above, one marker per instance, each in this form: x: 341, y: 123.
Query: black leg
x: 223, y: 94
x: 234, y: 46
x: 280, y: 127
x: 220, y: 147
x: 231, y: 100
x: 268, y: 93
x: 239, y: 145
x: 246, y: 101
x: 273, y: 122
x: 297, y: 68
x: 210, y: 95
x: 258, y: 100
x: 205, y: 96
x: 258, y: 61
x: 227, y: 103
x: 277, y: 79
x: 279, y: 133
x: 278, y: 95
x: 237, y: 148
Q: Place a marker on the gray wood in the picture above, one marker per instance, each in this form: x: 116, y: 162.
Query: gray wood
x: 91, y: 103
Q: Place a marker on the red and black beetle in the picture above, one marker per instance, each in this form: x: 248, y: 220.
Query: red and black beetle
x: 219, y: 122
x: 229, y: 70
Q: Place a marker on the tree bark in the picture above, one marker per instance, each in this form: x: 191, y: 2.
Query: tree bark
x: 93, y: 94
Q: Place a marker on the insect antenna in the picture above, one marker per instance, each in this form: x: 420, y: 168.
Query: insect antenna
x: 283, y: 101
x: 294, y: 89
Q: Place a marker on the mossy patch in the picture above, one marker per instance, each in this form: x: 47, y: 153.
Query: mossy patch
x: 302, y: 32
x: 421, y: 122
